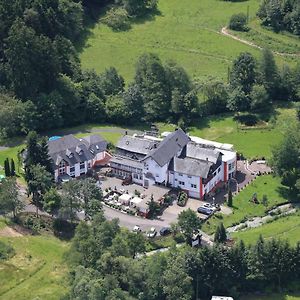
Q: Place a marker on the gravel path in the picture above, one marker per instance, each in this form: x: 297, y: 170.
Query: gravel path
x: 225, y: 32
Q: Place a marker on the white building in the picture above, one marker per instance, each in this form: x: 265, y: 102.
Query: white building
x: 196, y: 166
x: 73, y: 157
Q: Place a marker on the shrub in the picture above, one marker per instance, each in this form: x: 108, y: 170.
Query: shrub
x: 117, y: 19
x: 238, y: 22
x: 182, y: 198
x: 6, y: 251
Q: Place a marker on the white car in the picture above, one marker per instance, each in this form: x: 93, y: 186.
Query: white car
x: 210, y: 206
x: 151, y: 233
x: 137, y: 228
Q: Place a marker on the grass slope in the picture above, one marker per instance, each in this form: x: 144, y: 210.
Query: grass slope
x: 286, y: 228
x: 242, y: 207
x: 186, y: 31
x: 281, y: 296
x: 37, y: 271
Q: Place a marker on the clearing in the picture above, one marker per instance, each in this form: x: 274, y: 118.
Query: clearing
x: 36, y: 269
x: 187, y: 31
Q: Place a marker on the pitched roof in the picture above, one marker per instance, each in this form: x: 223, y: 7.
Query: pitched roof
x: 136, y: 144
x: 201, y: 152
x: 169, y: 147
x: 81, y: 149
x: 126, y: 161
x: 191, y: 166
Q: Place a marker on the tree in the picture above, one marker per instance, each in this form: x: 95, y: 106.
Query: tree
x: 189, y: 223
x: 39, y: 181
x: 259, y: 98
x: 111, y: 82
x: 115, y: 109
x: 151, y: 79
x: 51, y: 201
x: 265, y: 201
x: 229, y: 200
x: 70, y: 202
x: 12, y: 168
x: 286, y: 155
x: 136, y: 243
x: 117, y: 18
x: 154, y: 207
x: 175, y: 272
x: 243, y: 73
x: 220, y: 234
x: 133, y: 101
x: 10, y: 200
x: 238, y: 100
x: 216, y: 96
x: 7, y: 168
x: 238, y: 22
x: 269, y: 72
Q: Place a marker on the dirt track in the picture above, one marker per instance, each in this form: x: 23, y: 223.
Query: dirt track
x: 225, y: 32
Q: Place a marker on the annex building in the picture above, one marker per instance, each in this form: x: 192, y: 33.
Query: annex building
x: 195, y: 165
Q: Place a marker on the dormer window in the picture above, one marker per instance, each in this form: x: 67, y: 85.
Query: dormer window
x: 97, y: 147
x: 69, y: 154
x: 79, y: 150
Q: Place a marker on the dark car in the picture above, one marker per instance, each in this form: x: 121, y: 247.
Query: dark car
x: 165, y: 231
x: 204, y: 210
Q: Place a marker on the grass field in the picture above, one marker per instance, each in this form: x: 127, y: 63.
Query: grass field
x: 287, y: 228
x: 281, y: 296
x: 242, y: 207
x: 186, y: 31
x: 37, y: 271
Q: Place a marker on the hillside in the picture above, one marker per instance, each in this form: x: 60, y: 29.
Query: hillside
x: 187, y: 31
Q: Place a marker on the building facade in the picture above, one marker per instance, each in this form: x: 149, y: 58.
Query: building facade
x: 177, y: 160
x: 73, y: 157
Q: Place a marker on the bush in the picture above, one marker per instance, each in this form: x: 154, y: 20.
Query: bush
x: 182, y: 199
x: 248, y: 119
x: 238, y: 22
x: 117, y: 19
x: 6, y: 251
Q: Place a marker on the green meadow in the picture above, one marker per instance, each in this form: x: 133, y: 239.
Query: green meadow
x: 286, y: 228
x: 187, y: 31
x: 244, y: 208
x: 37, y: 271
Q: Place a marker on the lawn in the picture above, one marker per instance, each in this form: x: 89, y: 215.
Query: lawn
x: 36, y: 271
x: 244, y: 208
x: 286, y: 228
x: 11, y: 153
x: 186, y: 31
x: 281, y: 296
x: 252, y: 143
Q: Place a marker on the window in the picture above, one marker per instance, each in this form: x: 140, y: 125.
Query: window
x: 219, y: 170
x: 180, y: 174
x: 82, y: 165
x: 181, y: 182
x: 135, y: 176
x: 156, y: 175
x: 194, y: 186
x: 72, y: 169
x: 189, y: 176
x: 62, y: 168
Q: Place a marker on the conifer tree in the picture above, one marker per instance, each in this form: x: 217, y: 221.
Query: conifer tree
x: 12, y: 168
x: 7, y: 168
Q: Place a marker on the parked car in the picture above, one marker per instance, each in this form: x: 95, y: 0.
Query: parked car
x: 205, y: 210
x: 210, y: 206
x: 151, y: 233
x: 165, y: 231
x: 137, y: 228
